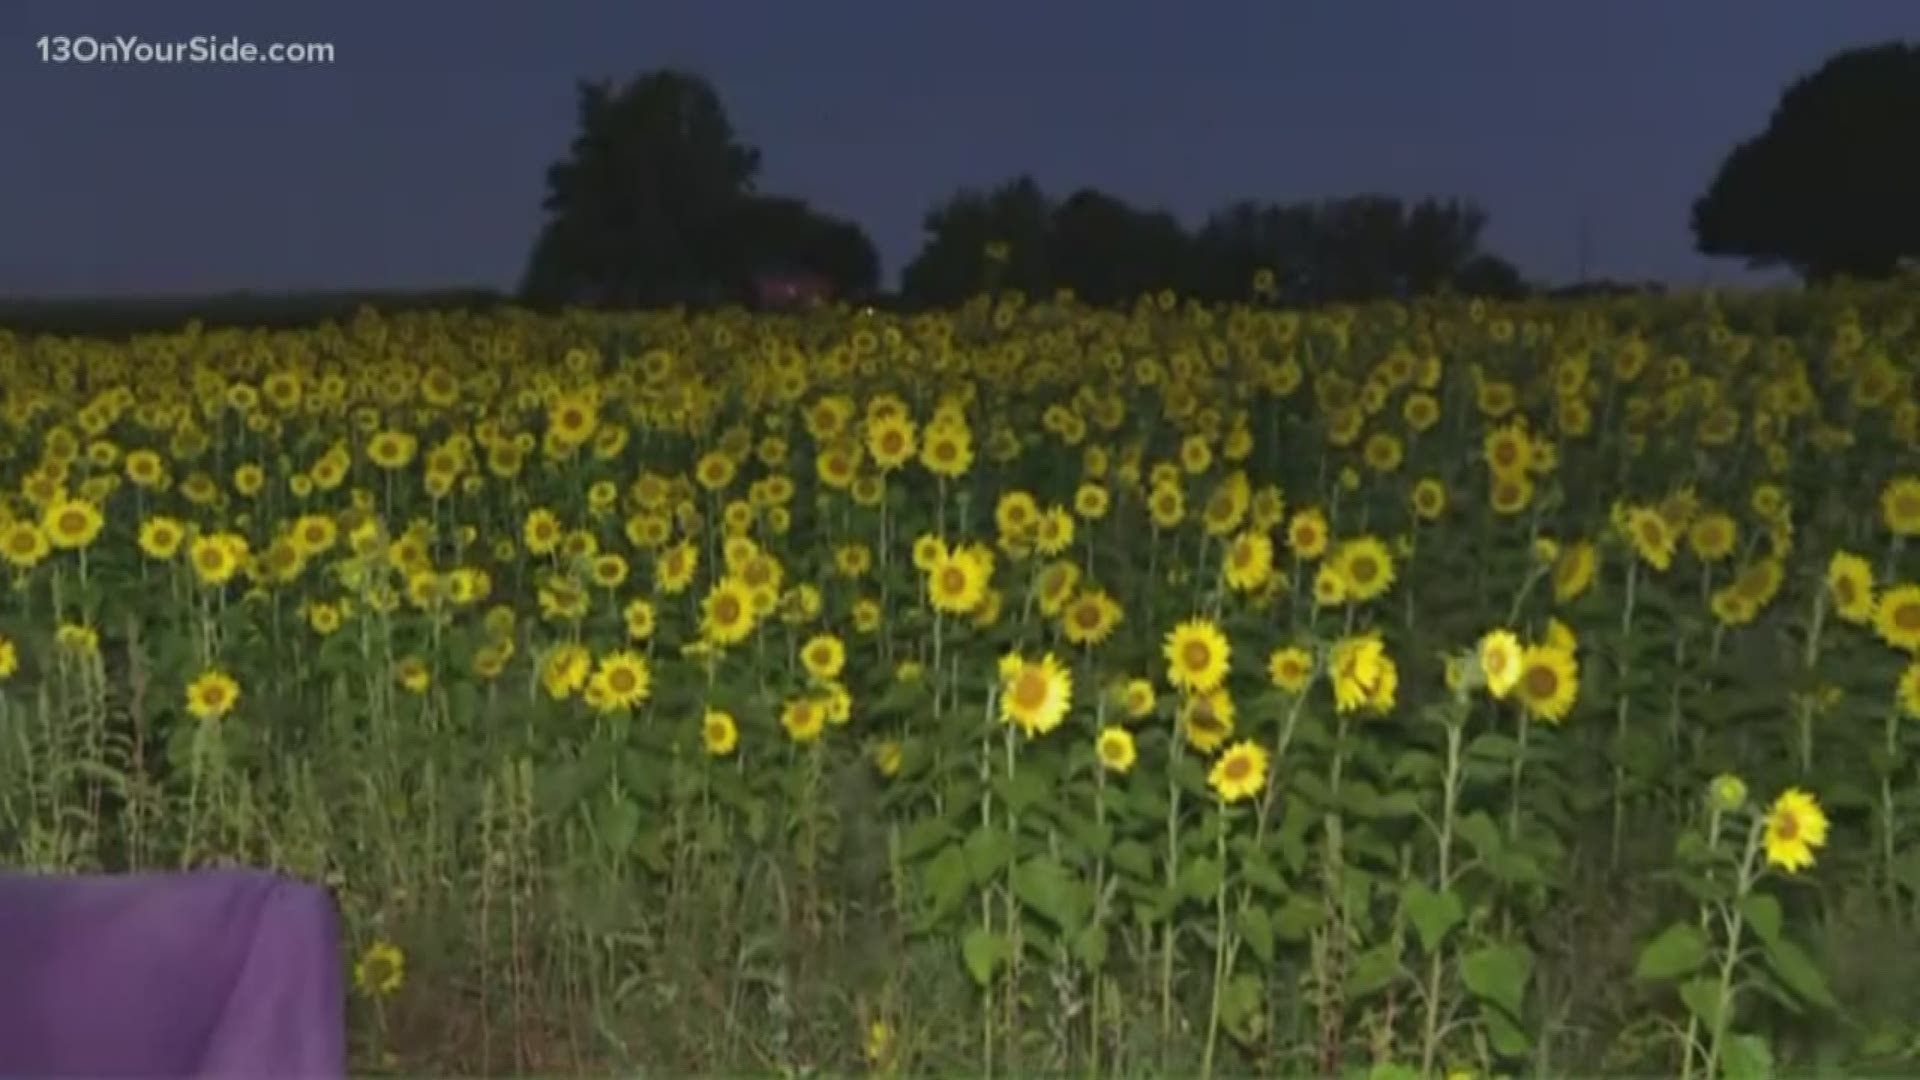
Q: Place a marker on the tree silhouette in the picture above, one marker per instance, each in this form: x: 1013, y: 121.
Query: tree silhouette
x: 778, y: 235
x: 1350, y: 249
x: 1108, y: 252
x: 655, y: 204
x: 654, y: 177
x: 975, y: 238
x: 1832, y: 186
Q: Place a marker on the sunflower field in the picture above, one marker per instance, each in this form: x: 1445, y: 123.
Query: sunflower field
x: 1431, y: 689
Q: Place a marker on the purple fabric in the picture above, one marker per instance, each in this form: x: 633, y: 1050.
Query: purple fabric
x: 217, y: 974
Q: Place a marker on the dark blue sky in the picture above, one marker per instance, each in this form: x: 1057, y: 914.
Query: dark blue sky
x: 417, y: 158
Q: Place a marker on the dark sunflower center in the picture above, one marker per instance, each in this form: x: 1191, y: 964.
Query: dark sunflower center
x: 1542, y: 682
x: 1907, y: 617
x: 1030, y: 689
x: 1196, y: 655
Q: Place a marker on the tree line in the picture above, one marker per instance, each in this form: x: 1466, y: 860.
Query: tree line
x: 657, y: 202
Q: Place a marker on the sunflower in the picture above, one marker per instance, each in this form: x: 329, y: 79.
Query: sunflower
x: 1090, y: 501
x: 1549, y: 680
x: 674, y: 570
x: 412, y: 675
x: 1363, y: 675
x: 1197, y: 655
x: 565, y: 670
x: 1055, y: 532
x: 218, y: 557
x: 212, y: 695
x: 1850, y: 586
x: 1329, y: 587
x: 837, y: 465
x: 854, y: 560
x: 1137, y: 698
x: 718, y: 733
x: 492, y: 660
x: 391, y: 450
x: 79, y: 639
x: 1429, y: 499
x: 1365, y: 567
x: 1561, y: 636
x: 804, y: 719
x: 948, y: 450
x: 1732, y: 607
x: 623, y: 681
x: 957, y: 582
x: 1207, y: 719
x: 928, y: 550
x: 541, y: 532
x: 1795, y: 827
x: 1573, y: 572
x: 1115, y: 748
x: 639, y: 619
x: 314, y: 534
x: 9, y: 658
x: 1652, y: 536
x: 1907, y: 691
x: 727, y: 613
x: 1291, y: 669
x: 1166, y: 505
x: 715, y: 470
x: 888, y: 757
x: 1307, y: 535
x: 1900, y: 506
x: 324, y: 618
x: 1712, y: 536
x: 1035, y: 694
x: 1249, y: 561
x: 1090, y: 618
x: 1227, y: 506
x: 824, y: 655
x: 573, y: 419
x: 608, y: 571
x: 1727, y: 793
x: 1508, y: 450
x: 1056, y: 586
x: 380, y: 971
x: 71, y: 524
x: 890, y: 440
x: 1196, y: 454
x: 1382, y: 453
x: 145, y: 468
x: 1015, y: 515
x: 1501, y: 661
x: 23, y: 545
x: 1897, y: 617
x: 1240, y: 773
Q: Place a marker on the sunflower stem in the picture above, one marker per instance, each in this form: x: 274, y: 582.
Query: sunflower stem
x: 1219, y: 942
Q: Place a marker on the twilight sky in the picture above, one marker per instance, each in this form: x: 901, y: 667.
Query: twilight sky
x: 416, y: 159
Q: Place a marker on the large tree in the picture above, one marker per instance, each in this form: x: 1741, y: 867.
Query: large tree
x: 655, y: 204
x: 1109, y: 252
x: 1349, y: 249
x: 779, y: 235
x: 1832, y: 185
x: 980, y: 238
x: 639, y: 208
